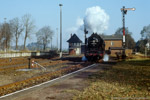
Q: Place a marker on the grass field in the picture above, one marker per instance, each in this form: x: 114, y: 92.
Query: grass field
x: 129, y: 80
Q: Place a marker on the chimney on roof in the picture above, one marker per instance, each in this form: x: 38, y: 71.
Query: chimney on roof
x: 71, y: 35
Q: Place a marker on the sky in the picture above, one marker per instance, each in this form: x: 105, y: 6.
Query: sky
x: 47, y: 12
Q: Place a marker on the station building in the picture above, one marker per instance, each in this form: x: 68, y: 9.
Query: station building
x: 114, y: 45
x: 74, y: 45
x: 111, y: 43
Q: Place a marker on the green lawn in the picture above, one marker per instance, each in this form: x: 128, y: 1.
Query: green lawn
x: 128, y: 80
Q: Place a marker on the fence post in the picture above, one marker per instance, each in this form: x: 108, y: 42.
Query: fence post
x: 29, y: 63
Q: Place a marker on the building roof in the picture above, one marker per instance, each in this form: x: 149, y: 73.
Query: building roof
x: 116, y: 48
x: 111, y: 37
x: 74, y: 39
x: 108, y: 39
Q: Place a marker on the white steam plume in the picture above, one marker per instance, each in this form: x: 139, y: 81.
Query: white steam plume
x: 96, y: 20
x: 106, y: 58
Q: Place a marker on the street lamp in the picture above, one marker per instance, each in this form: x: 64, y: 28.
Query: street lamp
x: 57, y: 38
x: 124, y: 11
x: 60, y: 30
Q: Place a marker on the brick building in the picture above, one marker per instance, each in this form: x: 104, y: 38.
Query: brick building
x: 74, y: 45
x: 113, y: 44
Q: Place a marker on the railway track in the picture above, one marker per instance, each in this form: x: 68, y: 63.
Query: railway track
x: 48, y: 82
x: 21, y: 66
x: 16, y: 63
x: 12, y: 74
x: 65, y: 66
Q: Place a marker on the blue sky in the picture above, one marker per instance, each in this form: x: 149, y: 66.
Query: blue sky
x: 46, y: 12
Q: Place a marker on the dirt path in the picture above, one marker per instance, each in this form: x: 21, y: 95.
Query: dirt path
x: 62, y: 89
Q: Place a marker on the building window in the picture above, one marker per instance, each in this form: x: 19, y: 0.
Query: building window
x: 78, y: 44
x: 70, y: 44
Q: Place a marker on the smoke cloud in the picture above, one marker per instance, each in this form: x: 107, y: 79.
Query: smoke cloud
x: 96, y: 20
x: 78, y: 27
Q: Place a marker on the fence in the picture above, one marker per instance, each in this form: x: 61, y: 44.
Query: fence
x: 23, y: 54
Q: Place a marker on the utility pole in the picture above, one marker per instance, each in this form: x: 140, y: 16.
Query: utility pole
x: 60, y: 30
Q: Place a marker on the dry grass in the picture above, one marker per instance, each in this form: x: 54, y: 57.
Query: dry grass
x: 126, y: 80
x: 36, y: 79
x: 12, y: 75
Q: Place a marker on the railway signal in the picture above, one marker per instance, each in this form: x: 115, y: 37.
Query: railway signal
x: 124, y: 11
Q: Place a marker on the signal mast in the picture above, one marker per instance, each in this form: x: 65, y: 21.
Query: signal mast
x: 124, y: 11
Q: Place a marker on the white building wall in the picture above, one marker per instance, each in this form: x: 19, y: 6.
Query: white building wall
x: 78, y: 51
x: 22, y: 54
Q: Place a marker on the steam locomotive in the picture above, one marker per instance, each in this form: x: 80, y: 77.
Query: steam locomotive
x: 94, y: 47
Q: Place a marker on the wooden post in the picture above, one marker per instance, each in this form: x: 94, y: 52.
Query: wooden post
x: 29, y: 65
x: 145, y: 51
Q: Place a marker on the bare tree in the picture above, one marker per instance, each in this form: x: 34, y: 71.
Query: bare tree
x: 145, y: 32
x: 130, y: 43
x: 28, y: 26
x: 17, y: 29
x: 1, y: 37
x: 44, y: 35
x: 6, y: 36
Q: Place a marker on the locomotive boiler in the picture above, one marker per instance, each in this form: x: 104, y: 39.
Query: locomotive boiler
x: 94, y: 47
